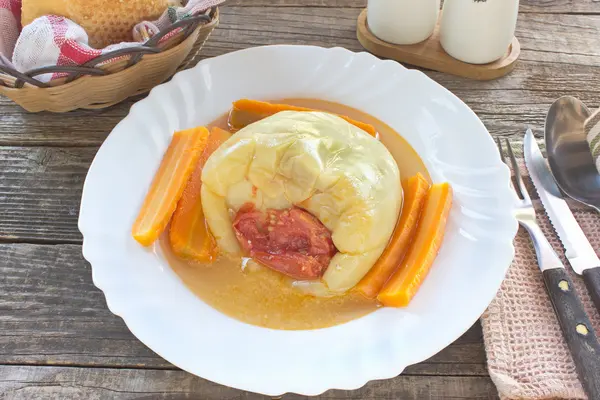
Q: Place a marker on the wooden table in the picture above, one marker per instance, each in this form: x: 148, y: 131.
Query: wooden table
x: 57, y: 338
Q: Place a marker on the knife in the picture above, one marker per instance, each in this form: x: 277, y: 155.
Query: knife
x: 574, y: 322
x: 578, y: 250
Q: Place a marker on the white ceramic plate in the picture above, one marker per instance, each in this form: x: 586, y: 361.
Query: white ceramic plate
x: 156, y: 306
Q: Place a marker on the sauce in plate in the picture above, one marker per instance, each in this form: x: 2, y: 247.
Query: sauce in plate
x: 254, y: 294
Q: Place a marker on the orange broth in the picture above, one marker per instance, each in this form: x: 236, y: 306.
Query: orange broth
x: 259, y: 296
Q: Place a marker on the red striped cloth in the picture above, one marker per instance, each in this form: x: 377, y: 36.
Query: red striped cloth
x: 53, y: 40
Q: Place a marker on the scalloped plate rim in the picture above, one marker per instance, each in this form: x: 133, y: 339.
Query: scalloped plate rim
x: 100, y: 282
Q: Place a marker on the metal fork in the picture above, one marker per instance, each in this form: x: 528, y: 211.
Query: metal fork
x: 569, y: 310
x: 525, y: 213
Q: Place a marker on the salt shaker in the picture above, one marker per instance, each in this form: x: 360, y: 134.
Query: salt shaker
x: 402, y: 21
x: 478, y: 31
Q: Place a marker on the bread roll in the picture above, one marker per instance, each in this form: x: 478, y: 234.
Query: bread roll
x: 105, y: 21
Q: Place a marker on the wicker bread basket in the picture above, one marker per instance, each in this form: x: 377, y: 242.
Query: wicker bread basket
x: 113, y: 77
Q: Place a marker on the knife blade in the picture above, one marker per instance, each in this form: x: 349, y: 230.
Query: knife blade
x: 578, y: 250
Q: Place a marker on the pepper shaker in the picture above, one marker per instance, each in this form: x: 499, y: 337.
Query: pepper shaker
x: 478, y: 31
x: 402, y: 21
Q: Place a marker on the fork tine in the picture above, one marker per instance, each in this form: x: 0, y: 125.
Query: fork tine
x: 499, y: 142
x: 510, y: 170
x: 520, y: 184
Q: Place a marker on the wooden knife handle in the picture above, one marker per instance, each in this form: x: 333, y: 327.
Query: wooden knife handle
x: 577, y: 329
x: 591, y: 277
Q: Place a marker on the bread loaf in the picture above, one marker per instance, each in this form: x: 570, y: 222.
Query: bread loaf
x: 105, y: 21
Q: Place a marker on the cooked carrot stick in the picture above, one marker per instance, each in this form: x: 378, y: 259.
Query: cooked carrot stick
x: 245, y: 111
x: 168, y: 184
x: 415, y: 190
x: 189, y: 235
x: 403, y: 285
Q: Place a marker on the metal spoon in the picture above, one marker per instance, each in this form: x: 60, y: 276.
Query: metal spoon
x: 569, y: 154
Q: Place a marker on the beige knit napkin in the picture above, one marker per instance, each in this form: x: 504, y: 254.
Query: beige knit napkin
x: 527, y: 355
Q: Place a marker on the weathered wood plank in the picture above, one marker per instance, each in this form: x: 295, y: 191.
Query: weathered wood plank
x: 500, y: 117
x: 37, y: 282
x: 560, y: 6
x: 40, y: 187
x: 40, y: 191
x: 550, y: 67
x: 28, y: 382
x: 505, y: 106
x: 77, y: 128
x: 567, y: 34
x: 560, y: 57
x: 538, y: 6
